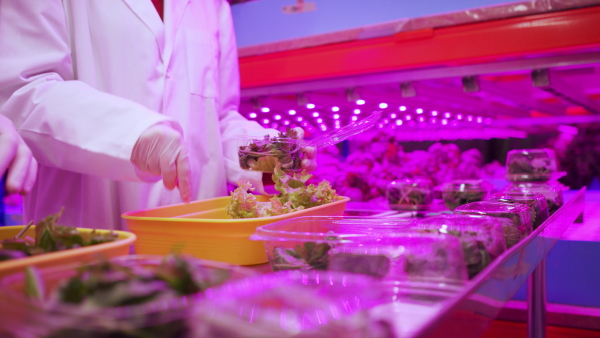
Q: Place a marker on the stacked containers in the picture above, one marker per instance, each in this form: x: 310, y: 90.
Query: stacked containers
x: 535, y: 171
x: 538, y: 206
x: 516, y: 217
x: 459, y: 192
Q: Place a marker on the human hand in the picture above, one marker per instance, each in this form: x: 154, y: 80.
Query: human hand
x: 161, y: 151
x: 309, y: 163
x: 17, y: 158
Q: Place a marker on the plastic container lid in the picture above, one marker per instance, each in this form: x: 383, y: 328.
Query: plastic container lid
x: 264, y: 153
x: 537, y: 204
x: 531, y: 165
x: 459, y: 192
x: 402, y: 256
x: 410, y: 194
x: 519, y: 215
x: 481, y: 237
x: 551, y: 191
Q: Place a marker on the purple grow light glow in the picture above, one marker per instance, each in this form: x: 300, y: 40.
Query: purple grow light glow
x: 447, y: 115
x: 334, y: 109
x: 469, y: 118
x: 399, y: 122
x: 402, y: 108
x: 380, y: 126
x: 286, y: 123
x: 408, y: 117
x: 323, y: 127
x: 419, y: 111
x: 310, y: 105
x: 292, y: 112
x: 433, y: 120
x: 277, y: 117
x: 459, y: 117
x: 454, y: 123
x: 412, y: 123
x: 444, y: 121
x: 299, y: 118
x: 266, y: 121
x: 434, y: 113
x: 265, y: 109
x: 337, y: 126
x: 421, y: 119
x: 360, y: 102
x: 386, y: 121
x: 274, y: 125
x: 304, y: 124
x: 393, y: 115
x: 487, y: 120
x: 479, y: 119
x: 315, y: 114
x: 319, y: 120
x: 354, y: 118
x: 336, y: 116
x: 383, y: 105
x: 252, y: 115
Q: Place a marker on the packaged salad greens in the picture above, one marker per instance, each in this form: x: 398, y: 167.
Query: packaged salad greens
x: 459, y: 192
x: 410, y: 194
x: 552, y: 191
x: 264, y: 154
x: 523, y: 165
x: 481, y: 237
x: 129, y: 296
x: 519, y: 216
x: 538, y: 206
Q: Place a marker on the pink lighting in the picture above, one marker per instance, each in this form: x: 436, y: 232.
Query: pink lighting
x: 399, y: 122
x: 252, y: 115
x: 334, y: 109
x: 386, y: 121
x: 354, y: 118
x: 487, y: 120
x: 274, y: 125
x: 299, y: 119
x: 393, y: 116
x: 408, y: 117
x: 315, y: 114
x: 479, y: 119
x: 419, y: 111
x: 444, y: 121
x: 360, y: 102
x: 319, y: 120
x: 356, y: 111
x: 421, y: 119
x: 454, y: 123
x: 383, y: 105
x: 447, y: 115
x: 412, y: 123
x: 337, y: 126
x: 380, y: 126
x: 336, y: 116
x: 292, y: 112
x: 459, y: 117
x: 310, y: 105
x: 286, y: 123
x: 402, y: 108
x: 434, y: 113
x: 469, y: 118
x: 277, y: 117
x: 433, y: 120
x: 266, y: 121
x: 304, y: 124
x: 323, y: 127
x: 265, y: 109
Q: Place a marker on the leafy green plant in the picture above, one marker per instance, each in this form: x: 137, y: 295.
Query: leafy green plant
x: 266, y: 153
x: 309, y: 256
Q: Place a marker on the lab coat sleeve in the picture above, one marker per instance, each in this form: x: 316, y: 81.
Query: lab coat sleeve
x: 66, y: 123
x: 232, y: 123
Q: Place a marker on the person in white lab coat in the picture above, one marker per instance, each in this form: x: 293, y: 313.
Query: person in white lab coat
x: 16, y: 160
x: 83, y: 80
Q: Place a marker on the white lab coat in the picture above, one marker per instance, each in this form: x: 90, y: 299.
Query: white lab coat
x: 82, y: 79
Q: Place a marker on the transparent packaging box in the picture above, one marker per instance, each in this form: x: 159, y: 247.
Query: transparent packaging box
x: 410, y: 194
x: 525, y: 165
x: 553, y: 192
x: 402, y: 257
x: 264, y: 153
x: 481, y: 237
x: 304, y: 242
x: 459, y: 192
x: 538, y: 206
x: 122, y: 299
x: 518, y: 214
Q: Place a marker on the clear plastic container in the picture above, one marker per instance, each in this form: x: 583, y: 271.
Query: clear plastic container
x: 481, y: 237
x: 264, y: 153
x: 538, y: 206
x: 304, y: 242
x: 518, y: 214
x: 296, y: 303
x: 525, y: 165
x: 150, y: 309
x: 459, y: 192
x: 410, y: 194
x: 551, y: 191
x: 402, y: 256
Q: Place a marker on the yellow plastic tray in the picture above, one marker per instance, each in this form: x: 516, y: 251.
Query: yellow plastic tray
x: 79, y: 255
x: 203, y: 229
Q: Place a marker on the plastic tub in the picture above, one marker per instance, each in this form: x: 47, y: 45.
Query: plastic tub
x: 402, y: 256
x: 119, y: 247
x: 519, y: 216
x: 538, y: 206
x: 410, y: 194
x: 551, y: 191
x: 168, y: 315
x: 481, y: 237
x: 264, y: 153
x: 304, y: 243
x: 205, y: 230
x: 524, y: 165
x: 459, y: 192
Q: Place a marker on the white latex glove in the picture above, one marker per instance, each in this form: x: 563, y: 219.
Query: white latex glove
x: 160, y: 151
x: 17, y: 158
x: 309, y: 163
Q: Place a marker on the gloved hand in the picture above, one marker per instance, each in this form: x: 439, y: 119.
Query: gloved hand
x: 309, y: 163
x: 161, y: 151
x: 17, y: 158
